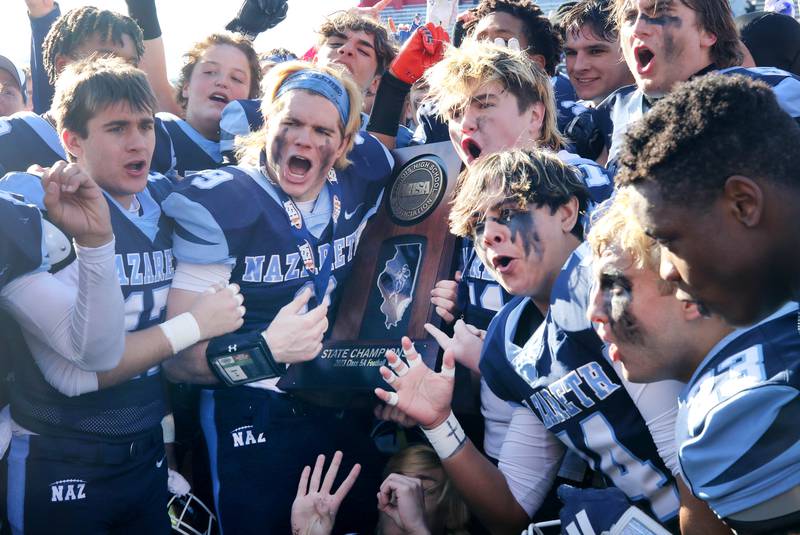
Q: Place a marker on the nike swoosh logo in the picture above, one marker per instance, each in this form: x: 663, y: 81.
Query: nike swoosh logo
x: 159, y: 463
x: 349, y: 215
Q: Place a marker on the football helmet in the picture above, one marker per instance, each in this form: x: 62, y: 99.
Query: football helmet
x: 189, y: 515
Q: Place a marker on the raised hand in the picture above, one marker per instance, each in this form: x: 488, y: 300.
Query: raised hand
x: 295, y: 336
x: 373, y: 12
x: 402, y: 499
x: 40, y: 8
x: 256, y: 16
x: 424, y: 49
x: 219, y: 311
x: 444, y: 297
x: 314, y: 508
x: 422, y: 394
x: 466, y: 343
x: 75, y: 203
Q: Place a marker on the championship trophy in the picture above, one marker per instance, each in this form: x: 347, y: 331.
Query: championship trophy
x: 405, y: 249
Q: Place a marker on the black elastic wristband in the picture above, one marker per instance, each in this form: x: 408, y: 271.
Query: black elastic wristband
x: 238, y: 359
x: 389, y: 100
x: 145, y: 14
x: 459, y: 33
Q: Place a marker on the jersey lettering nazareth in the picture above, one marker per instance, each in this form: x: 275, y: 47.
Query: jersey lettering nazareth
x: 233, y: 215
x: 627, y: 104
x: 22, y: 248
x: 484, y: 296
x: 564, y: 377
x: 145, y: 269
x: 737, y: 432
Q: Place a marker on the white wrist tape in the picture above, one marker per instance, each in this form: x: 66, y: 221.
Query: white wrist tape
x: 168, y: 428
x: 182, y: 331
x: 446, y: 438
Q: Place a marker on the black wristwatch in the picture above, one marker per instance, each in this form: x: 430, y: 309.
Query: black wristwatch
x: 238, y: 359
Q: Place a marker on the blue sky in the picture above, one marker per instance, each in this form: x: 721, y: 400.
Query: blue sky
x: 182, y: 22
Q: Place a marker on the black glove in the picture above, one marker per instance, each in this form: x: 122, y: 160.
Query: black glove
x: 584, y: 134
x: 256, y: 16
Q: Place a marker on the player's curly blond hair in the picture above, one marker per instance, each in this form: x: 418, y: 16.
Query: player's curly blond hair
x: 615, y: 226
x: 453, y: 80
x: 249, y: 147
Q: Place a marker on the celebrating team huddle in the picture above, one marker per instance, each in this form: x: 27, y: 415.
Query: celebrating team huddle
x: 618, y: 332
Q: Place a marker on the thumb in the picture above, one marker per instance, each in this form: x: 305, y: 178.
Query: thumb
x: 297, y: 304
x: 52, y: 195
x: 458, y: 276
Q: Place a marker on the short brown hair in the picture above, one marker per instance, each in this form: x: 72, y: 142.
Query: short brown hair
x: 713, y: 16
x: 194, y: 54
x: 340, y: 23
x: 519, y: 176
x: 89, y: 86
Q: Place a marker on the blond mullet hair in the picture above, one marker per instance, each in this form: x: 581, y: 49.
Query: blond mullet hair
x: 249, y: 147
x: 615, y: 227
x: 475, y: 64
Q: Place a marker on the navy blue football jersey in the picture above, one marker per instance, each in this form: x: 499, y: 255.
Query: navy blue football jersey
x: 628, y: 104
x: 183, y: 148
x: 234, y: 215
x: 239, y: 118
x: 143, y: 243
x: 27, y: 139
x: 563, y: 375
x: 22, y: 248
x: 480, y: 295
x: 737, y: 427
x: 567, y: 105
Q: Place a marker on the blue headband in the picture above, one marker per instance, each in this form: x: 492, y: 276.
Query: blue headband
x: 321, y: 84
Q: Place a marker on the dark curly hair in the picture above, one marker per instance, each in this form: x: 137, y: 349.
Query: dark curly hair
x: 542, y: 36
x: 72, y: 28
x: 707, y: 130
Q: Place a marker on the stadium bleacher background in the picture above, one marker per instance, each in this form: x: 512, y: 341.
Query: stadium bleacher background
x: 403, y: 11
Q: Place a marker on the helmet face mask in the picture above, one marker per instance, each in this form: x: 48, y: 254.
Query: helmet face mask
x: 190, y: 516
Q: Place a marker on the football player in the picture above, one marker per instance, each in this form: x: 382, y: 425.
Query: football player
x: 218, y: 69
x: 522, y: 208
x: 747, y: 199
x: 519, y: 24
x: 665, y: 43
x: 284, y: 225
x: 736, y: 444
x: 28, y: 138
x: 26, y: 242
x: 593, y: 55
x: 355, y: 42
x: 73, y: 454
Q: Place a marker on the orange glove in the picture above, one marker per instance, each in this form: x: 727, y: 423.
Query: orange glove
x: 421, y: 51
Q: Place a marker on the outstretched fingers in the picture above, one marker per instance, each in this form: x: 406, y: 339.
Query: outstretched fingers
x: 330, y: 475
x: 448, y: 364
